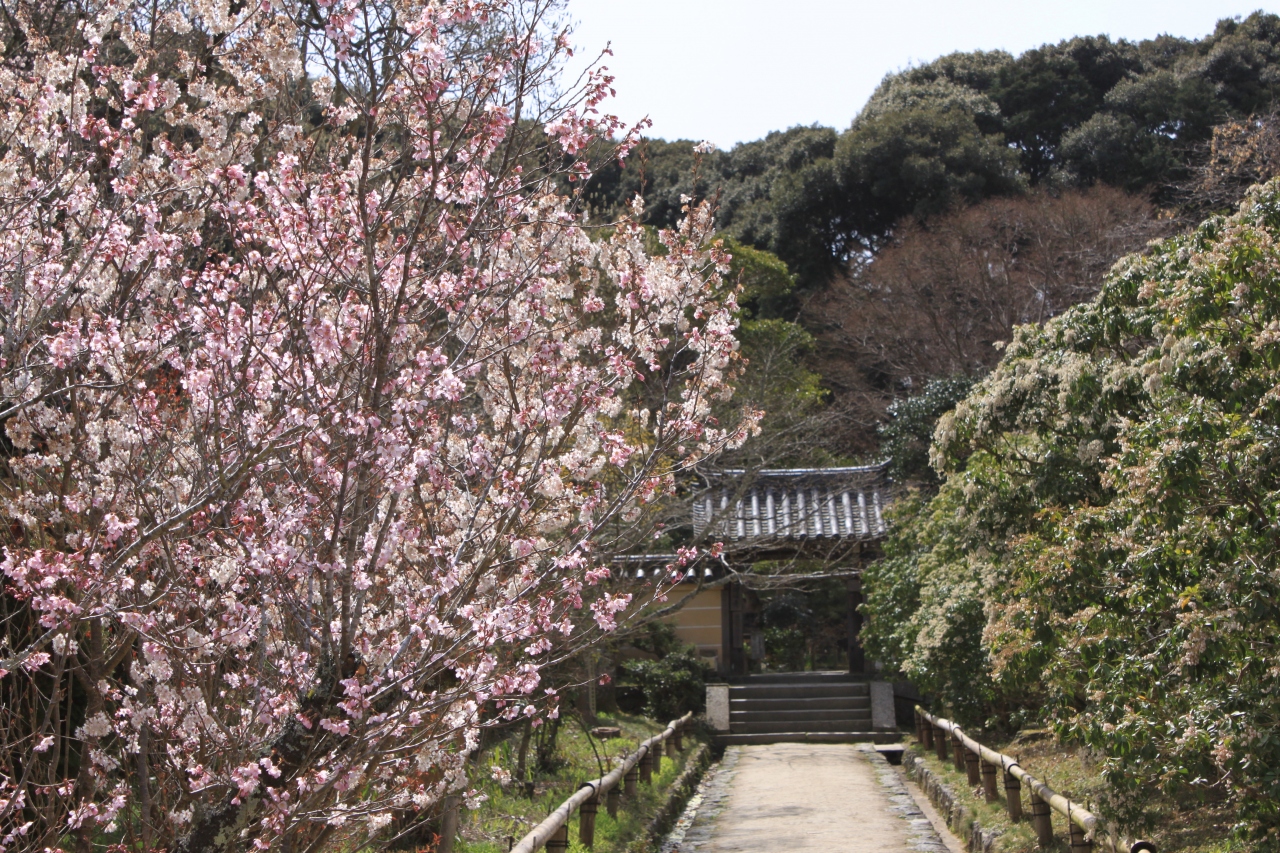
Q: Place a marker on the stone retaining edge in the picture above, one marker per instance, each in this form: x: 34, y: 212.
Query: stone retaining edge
x: 678, y: 795
x: 960, y: 819
x: 924, y: 836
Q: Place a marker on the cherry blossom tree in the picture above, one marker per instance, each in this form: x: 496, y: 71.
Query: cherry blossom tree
x: 317, y: 393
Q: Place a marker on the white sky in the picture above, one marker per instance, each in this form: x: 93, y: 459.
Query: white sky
x: 732, y: 70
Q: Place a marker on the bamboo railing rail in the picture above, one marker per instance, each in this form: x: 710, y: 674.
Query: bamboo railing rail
x: 981, y: 763
x: 553, y: 833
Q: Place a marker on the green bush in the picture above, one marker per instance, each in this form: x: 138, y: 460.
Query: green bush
x: 905, y: 438
x: 785, y: 649
x: 1103, y: 549
x: 672, y: 685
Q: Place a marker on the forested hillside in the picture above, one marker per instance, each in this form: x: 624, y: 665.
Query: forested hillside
x: 971, y: 194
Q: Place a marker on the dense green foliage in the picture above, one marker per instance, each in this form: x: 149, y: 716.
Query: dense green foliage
x: 807, y: 628
x: 673, y: 681
x: 906, y: 435
x: 672, y: 685
x: 1061, y: 160
x: 1104, y: 546
x: 509, y: 812
x: 777, y: 379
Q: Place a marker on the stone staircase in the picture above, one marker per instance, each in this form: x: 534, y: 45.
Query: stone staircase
x: 803, y: 707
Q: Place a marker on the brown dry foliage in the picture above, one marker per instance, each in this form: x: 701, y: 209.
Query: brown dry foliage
x: 941, y: 297
x: 1241, y: 153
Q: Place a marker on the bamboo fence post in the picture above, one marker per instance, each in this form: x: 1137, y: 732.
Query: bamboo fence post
x: 971, y: 768
x: 981, y: 763
x: 957, y: 750
x: 1079, y: 844
x: 1041, y: 820
x: 629, y: 782
x: 587, y: 818
x: 655, y: 755
x: 611, y: 801
x: 678, y: 737
x: 448, y: 825
x: 559, y: 840
x: 671, y: 747
x: 1013, y: 796
x: 553, y: 832
x: 926, y: 734
x: 989, y: 788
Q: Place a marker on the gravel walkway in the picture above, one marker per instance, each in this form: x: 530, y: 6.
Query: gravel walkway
x: 841, y: 798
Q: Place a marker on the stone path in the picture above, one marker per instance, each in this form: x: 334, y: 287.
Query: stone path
x: 841, y: 798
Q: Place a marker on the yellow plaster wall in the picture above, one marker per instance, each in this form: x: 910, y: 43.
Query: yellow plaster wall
x: 698, y: 623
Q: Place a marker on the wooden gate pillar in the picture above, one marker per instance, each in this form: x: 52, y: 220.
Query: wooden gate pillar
x: 731, y: 629
x: 857, y: 657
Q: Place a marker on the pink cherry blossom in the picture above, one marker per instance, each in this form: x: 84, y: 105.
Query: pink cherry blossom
x: 318, y: 425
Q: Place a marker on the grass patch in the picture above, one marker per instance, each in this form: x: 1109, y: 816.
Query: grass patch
x: 1014, y: 837
x: 509, y: 814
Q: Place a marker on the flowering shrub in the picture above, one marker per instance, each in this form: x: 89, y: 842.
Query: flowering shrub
x: 1111, y: 507
x: 316, y: 396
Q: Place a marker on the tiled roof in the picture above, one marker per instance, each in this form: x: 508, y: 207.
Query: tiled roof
x: 640, y: 566
x: 780, y: 505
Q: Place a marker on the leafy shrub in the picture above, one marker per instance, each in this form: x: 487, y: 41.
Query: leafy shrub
x: 656, y: 638
x: 905, y: 438
x: 672, y: 685
x: 785, y: 645
x: 926, y: 609
x: 785, y: 649
x: 1105, y: 542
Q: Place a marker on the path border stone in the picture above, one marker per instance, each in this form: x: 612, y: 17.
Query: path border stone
x: 695, y: 824
x: 682, y: 790
x: 923, y: 837
x: 961, y: 820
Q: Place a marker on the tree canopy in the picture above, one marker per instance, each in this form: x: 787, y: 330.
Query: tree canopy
x: 968, y: 127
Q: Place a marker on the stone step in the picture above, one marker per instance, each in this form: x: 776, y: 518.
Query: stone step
x: 799, y: 691
x: 793, y: 716
x: 809, y: 737
x: 760, y: 726
x: 836, y: 703
x: 820, y: 677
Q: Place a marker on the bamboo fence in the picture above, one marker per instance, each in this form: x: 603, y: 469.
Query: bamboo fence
x: 639, y: 766
x: 981, y: 765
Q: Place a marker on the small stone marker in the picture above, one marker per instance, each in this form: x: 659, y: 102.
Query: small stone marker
x: 882, y: 710
x: 718, y: 706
